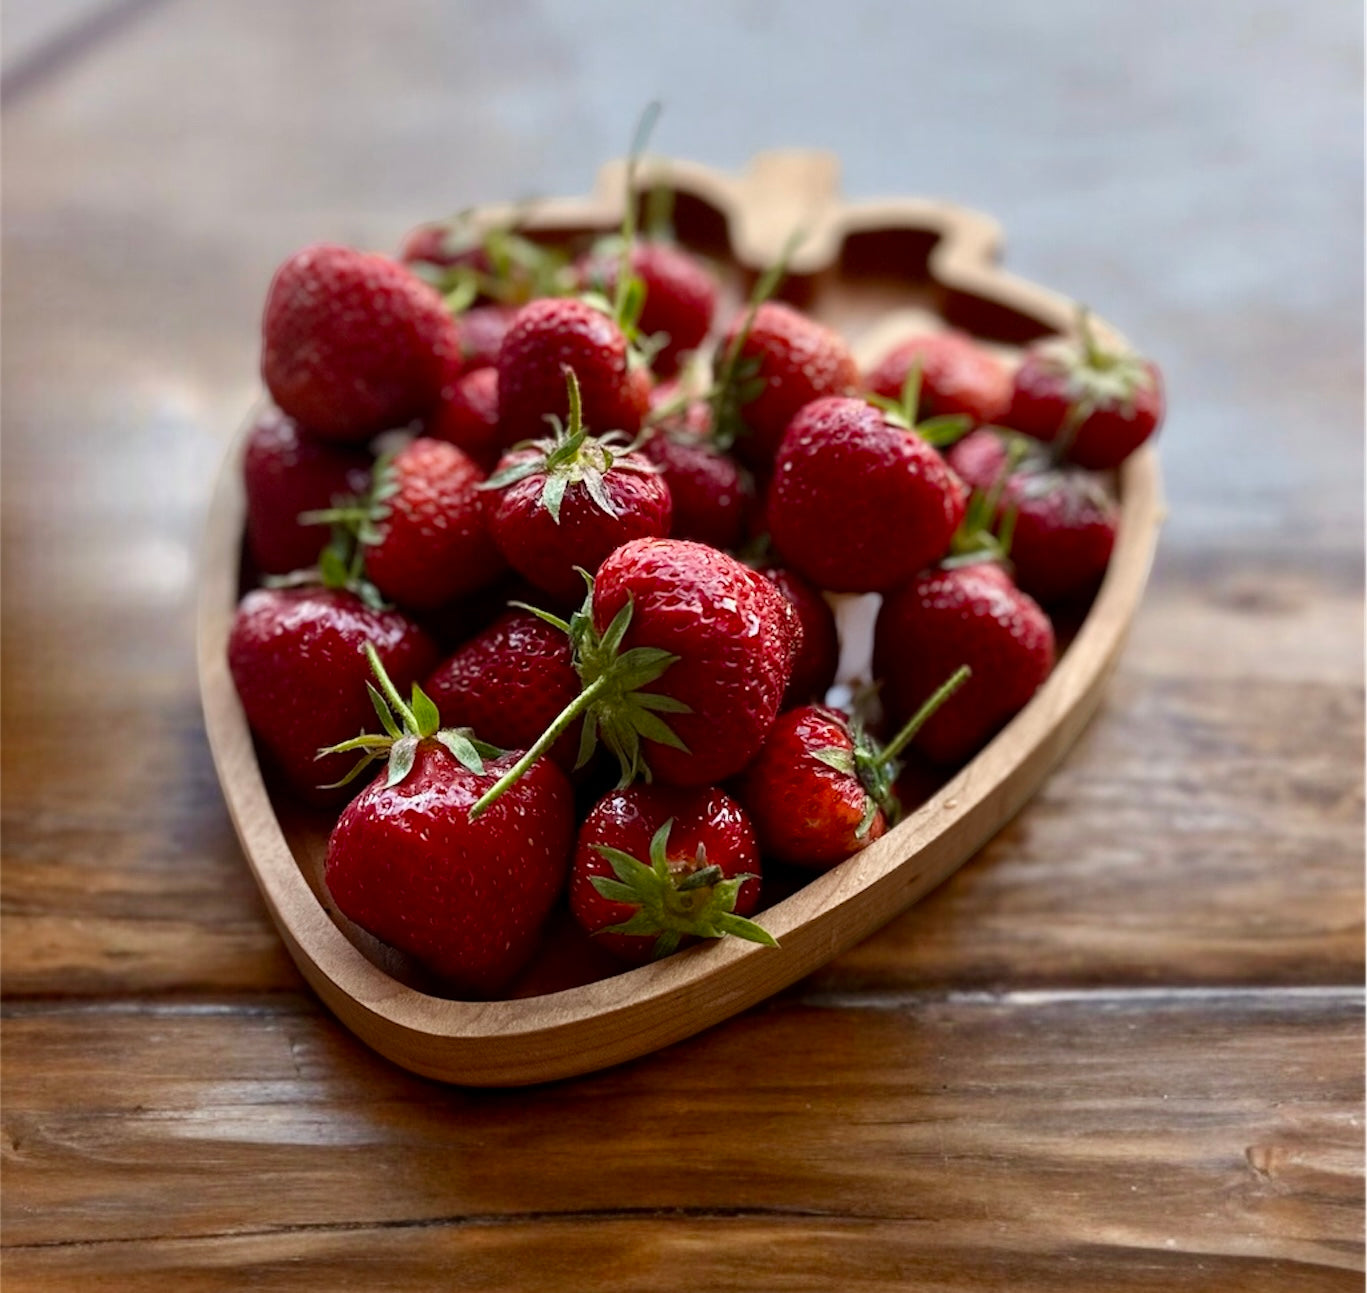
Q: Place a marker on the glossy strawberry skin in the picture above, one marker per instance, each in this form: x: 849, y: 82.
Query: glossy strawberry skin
x: 508, y: 683
x: 285, y: 473
x: 434, y: 545
x: 1064, y: 528
x: 957, y: 377
x: 858, y: 504
x: 353, y: 343
x: 818, y: 656
x: 466, y: 899
x: 627, y: 819
x: 1041, y: 399
x: 467, y: 417
x: 805, y: 811
x: 736, y: 637
x: 943, y: 619
x: 681, y: 296
x: 545, y: 337
x: 799, y: 361
x: 295, y: 657
x: 711, y: 492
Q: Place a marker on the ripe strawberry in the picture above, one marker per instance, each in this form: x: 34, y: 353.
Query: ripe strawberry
x: 974, y: 615
x: 711, y: 492
x: 1064, y: 523
x: 775, y: 360
x: 405, y: 861
x: 545, y: 338
x: 509, y: 682
x: 1098, y: 405
x: 859, y: 500
x: 560, y: 505
x: 819, y: 655
x: 467, y: 417
x: 657, y: 867
x: 680, y: 294
x: 719, y: 639
x: 285, y: 473
x: 822, y: 788
x: 295, y: 657
x: 482, y: 329
x: 957, y: 376
x: 353, y: 343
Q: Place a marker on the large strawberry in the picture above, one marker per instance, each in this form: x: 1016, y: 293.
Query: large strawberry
x: 957, y: 376
x: 819, y: 655
x: 295, y: 657
x: 1098, y: 404
x: 353, y: 343
x: 970, y: 614
x: 560, y: 505
x: 467, y: 417
x: 659, y: 866
x: 467, y: 899
x: 285, y: 473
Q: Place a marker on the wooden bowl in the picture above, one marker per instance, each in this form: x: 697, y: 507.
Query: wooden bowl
x: 904, y: 264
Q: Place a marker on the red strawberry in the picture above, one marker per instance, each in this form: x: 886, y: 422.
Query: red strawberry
x: 711, y: 492
x: 353, y: 343
x: 1064, y: 523
x: 1098, y: 404
x: 509, y: 682
x: 295, y: 656
x: 718, y: 641
x: 482, y: 329
x: 553, y: 334
x: 859, y: 500
x: 819, y: 655
x: 285, y: 473
x: 656, y: 867
x: 562, y: 504
x: 467, y: 417
x: 974, y: 615
x: 782, y: 361
x: 957, y: 376
x: 467, y: 899
x: 680, y: 294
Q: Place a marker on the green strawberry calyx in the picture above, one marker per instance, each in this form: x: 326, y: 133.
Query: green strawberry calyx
x: 1097, y: 376
x: 940, y: 432
x: 406, y: 725
x: 674, y: 897
x: 989, y: 525
x: 518, y: 269
x: 341, y: 564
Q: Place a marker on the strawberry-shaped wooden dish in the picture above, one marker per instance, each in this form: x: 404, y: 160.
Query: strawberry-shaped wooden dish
x: 876, y: 273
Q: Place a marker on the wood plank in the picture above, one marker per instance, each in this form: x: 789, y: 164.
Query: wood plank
x: 1224, y: 1124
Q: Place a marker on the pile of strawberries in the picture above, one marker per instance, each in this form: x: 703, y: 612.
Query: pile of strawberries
x: 545, y: 555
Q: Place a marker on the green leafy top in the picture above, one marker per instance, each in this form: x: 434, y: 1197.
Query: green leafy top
x: 518, y: 269
x: 941, y: 432
x: 1097, y: 376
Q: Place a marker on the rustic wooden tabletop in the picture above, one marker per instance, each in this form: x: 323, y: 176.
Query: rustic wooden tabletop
x: 1121, y: 1050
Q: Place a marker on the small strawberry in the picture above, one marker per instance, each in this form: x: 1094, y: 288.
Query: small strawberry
x: 657, y: 867
x: 822, y: 788
x: 1063, y: 522
x: 295, y: 657
x: 1097, y: 405
x: 406, y: 863
x: 716, y: 638
x: 353, y: 343
x: 286, y: 473
x: 819, y: 655
x: 711, y: 492
x: 467, y: 417
x: 560, y: 505
x: 482, y: 329
x: 957, y: 376
x: 969, y: 614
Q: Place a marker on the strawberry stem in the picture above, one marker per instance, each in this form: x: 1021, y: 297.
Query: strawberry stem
x: 911, y: 392
x: 391, y: 693
x: 919, y: 719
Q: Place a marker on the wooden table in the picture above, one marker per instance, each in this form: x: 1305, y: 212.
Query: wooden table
x: 1122, y: 1050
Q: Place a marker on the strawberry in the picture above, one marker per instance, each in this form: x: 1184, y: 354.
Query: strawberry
x: 1097, y: 404
x: 970, y: 614
x: 467, y: 263
x: 509, y: 682
x: 957, y: 376
x: 1064, y: 523
x: 819, y: 655
x: 560, y: 505
x: 467, y: 417
x: 716, y: 638
x: 405, y: 862
x: 482, y: 329
x: 656, y: 867
x: 545, y: 338
x: 711, y: 492
x: 353, y: 343
x: 822, y: 788
x: 859, y: 500
x: 295, y: 657
x: 286, y: 473
x: 680, y: 294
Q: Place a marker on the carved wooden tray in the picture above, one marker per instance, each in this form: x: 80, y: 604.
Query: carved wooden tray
x: 874, y: 270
